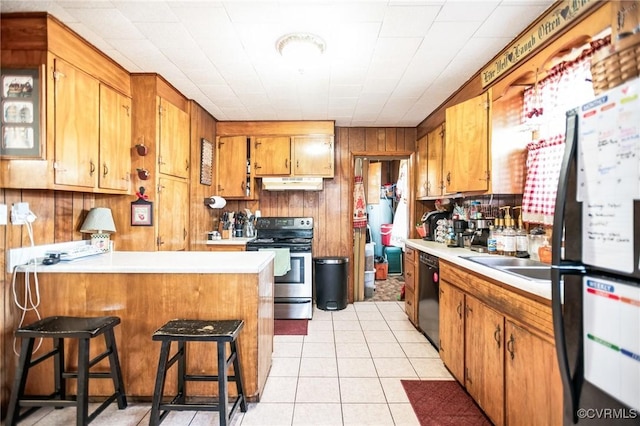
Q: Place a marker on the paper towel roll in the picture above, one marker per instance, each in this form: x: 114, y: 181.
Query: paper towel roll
x: 217, y: 202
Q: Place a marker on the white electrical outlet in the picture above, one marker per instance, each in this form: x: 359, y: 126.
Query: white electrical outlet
x: 3, y: 214
x: 20, y: 214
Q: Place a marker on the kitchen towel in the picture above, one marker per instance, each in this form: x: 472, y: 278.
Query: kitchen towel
x: 282, y: 262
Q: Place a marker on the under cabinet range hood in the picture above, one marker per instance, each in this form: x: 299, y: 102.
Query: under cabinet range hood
x: 292, y: 184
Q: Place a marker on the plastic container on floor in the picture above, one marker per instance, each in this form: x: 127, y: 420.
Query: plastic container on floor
x: 394, y: 257
x: 385, y: 233
x: 369, y: 252
x: 369, y: 283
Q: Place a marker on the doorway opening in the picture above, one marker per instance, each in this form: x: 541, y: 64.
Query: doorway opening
x: 379, y: 248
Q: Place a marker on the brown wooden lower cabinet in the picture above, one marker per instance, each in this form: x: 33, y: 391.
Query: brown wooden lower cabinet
x: 497, y: 343
x: 452, y: 329
x: 145, y: 302
x: 411, y: 290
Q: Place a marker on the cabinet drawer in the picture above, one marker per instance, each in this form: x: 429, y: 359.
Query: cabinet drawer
x: 409, y: 276
x: 410, y: 304
x: 410, y: 254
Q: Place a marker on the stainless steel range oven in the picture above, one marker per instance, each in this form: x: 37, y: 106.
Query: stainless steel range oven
x: 293, y: 293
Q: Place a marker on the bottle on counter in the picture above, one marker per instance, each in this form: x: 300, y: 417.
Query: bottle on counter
x: 509, y: 235
x: 491, y: 241
x: 498, y: 233
x: 522, y: 239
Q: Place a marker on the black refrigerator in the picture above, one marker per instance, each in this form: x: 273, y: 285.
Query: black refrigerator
x: 596, y: 281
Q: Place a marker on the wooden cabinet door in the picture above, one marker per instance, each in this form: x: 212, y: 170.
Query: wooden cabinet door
x: 410, y: 281
x: 484, y: 361
x: 435, y: 145
x: 533, y: 388
x: 466, y: 148
x: 172, y: 213
x: 313, y: 156
x: 115, y: 140
x: 173, y: 157
x: 77, y: 103
x: 452, y: 344
x: 231, y: 169
x: 271, y: 156
x: 422, y: 167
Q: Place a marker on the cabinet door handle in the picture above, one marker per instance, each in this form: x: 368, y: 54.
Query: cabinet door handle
x: 496, y: 335
x: 459, y: 310
x: 243, y: 185
x: 510, y: 345
x: 286, y: 163
x: 256, y: 166
x: 468, y: 309
x: 297, y: 164
x: 127, y: 108
x: 105, y: 170
x: 184, y: 234
x: 468, y: 376
x: 159, y: 241
x: 92, y: 168
x: 449, y: 178
x: 186, y: 164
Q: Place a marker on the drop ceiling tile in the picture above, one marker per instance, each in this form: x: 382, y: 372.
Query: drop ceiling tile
x: 509, y: 20
x: 142, y: 11
x: 107, y: 22
x: 467, y: 11
x: 408, y: 21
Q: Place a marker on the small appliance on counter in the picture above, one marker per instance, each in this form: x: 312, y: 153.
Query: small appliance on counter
x: 430, y: 219
x: 480, y: 229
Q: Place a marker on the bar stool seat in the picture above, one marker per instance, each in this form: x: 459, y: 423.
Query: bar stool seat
x: 185, y: 330
x: 59, y: 328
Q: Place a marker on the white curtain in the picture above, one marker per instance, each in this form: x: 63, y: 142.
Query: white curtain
x: 400, y: 230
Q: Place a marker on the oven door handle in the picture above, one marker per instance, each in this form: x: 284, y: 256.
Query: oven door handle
x: 291, y: 301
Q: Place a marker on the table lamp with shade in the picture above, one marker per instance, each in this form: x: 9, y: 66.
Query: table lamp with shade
x: 99, y: 223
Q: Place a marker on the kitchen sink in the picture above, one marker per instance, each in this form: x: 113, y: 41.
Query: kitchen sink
x: 536, y: 273
x: 525, y: 268
x: 501, y: 261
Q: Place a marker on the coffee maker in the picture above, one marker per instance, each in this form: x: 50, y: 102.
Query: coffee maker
x: 480, y: 229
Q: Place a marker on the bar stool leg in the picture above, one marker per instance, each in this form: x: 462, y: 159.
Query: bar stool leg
x: 182, y: 372
x: 238, y: 376
x: 82, y: 417
x: 58, y: 369
x: 116, y: 372
x: 19, y: 381
x: 222, y: 385
x: 160, y: 380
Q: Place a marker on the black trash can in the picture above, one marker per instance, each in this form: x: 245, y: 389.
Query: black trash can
x: 331, y: 276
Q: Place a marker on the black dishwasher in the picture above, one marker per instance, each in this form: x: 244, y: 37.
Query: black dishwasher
x: 428, y: 305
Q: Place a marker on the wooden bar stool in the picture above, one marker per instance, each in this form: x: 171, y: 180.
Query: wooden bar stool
x: 59, y: 329
x: 182, y: 331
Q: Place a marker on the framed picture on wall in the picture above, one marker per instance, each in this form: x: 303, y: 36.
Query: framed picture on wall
x: 206, y: 162
x: 141, y: 213
x: 22, y: 116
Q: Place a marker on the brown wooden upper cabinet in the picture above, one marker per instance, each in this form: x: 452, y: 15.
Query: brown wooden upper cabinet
x: 272, y: 156
x: 92, y: 135
x: 293, y: 156
x: 466, y: 147
x: 313, y: 155
x: 85, y: 110
x: 174, y: 140
x: 429, y: 182
x: 232, y: 174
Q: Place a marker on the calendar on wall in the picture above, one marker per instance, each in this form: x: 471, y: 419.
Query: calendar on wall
x: 21, y: 113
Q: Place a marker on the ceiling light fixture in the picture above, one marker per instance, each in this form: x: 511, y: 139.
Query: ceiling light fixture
x: 300, y: 47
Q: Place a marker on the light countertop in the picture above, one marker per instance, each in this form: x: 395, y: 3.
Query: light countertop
x: 164, y: 262
x: 236, y: 241
x: 455, y: 256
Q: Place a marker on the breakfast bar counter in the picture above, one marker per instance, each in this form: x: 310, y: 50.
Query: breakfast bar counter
x: 147, y: 289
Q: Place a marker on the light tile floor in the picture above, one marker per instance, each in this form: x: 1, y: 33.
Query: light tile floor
x: 345, y: 371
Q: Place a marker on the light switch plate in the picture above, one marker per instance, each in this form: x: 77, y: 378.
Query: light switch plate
x: 3, y: 214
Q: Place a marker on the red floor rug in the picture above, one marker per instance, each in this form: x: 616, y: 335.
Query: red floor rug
x: 289, y: 327
x: 443, y: 403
